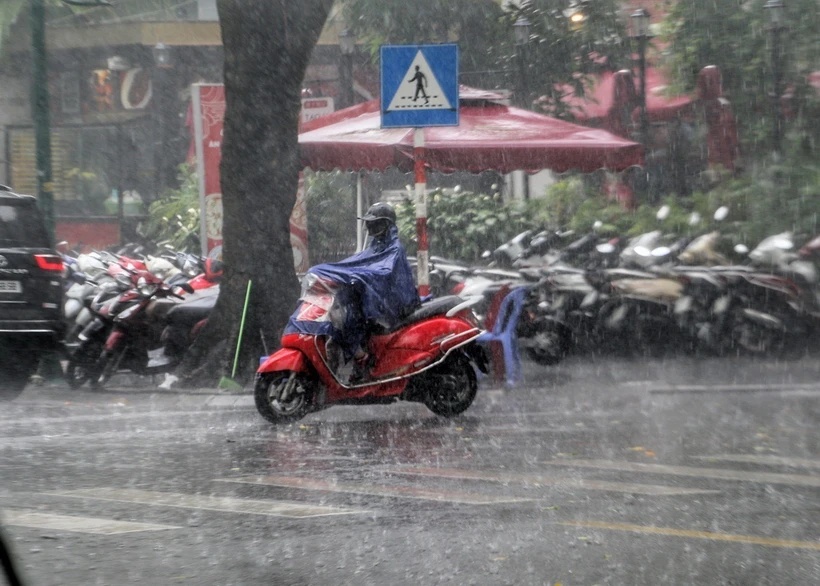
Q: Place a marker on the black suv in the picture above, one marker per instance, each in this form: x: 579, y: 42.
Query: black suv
x: 31, y: 290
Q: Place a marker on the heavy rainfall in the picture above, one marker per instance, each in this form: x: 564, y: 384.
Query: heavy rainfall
x: 366, y: 292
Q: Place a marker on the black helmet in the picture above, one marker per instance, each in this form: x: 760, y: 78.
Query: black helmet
x: 380, y: 211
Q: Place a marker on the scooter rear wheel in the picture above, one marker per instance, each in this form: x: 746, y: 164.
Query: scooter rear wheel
x: 450, y: 389
x: 278, y: 403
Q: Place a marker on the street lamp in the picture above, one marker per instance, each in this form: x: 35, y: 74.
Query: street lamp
x: 347, y: 46
x: 776, y: 28
x: 162, y: 55
x: 640, y: 32
x: 521, y: 28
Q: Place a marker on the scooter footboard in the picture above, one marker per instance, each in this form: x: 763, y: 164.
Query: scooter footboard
x: 284, y: 359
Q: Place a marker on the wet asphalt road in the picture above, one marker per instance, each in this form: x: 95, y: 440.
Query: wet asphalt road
x: 672, y: 471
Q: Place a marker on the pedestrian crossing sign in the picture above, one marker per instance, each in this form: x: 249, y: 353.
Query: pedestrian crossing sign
x: 419, y: 85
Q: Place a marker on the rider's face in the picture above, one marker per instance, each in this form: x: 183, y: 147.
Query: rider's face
x: 377, y: 227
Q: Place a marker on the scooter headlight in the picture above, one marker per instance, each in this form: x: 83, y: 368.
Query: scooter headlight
x: 144, y: 287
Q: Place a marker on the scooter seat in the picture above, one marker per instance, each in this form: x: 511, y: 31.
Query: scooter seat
x: 432, y: 308
x: 188, y: 314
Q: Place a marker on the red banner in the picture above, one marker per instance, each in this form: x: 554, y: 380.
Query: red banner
x: 208, y: 102
x: 208, y: 113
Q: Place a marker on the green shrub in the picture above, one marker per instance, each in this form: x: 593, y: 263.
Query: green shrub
x: 174, y: 218
x: 461, y: 225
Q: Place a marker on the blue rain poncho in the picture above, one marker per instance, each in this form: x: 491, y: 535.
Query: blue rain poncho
x: 377, y: 287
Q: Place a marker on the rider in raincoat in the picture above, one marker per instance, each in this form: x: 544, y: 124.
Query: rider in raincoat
x: 379, y: 290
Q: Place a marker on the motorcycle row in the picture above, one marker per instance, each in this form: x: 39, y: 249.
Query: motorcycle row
x: 128, y: 311
x: 649, y: 294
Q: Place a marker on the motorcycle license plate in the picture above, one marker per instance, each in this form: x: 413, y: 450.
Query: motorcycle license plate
x: 11, y: 287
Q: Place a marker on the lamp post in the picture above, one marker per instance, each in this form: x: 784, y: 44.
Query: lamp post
x: 521, y: 28
x: 40, y: 113
x: 776, y: 28
x: 40, y: 105
x: 640, y: 32
x: 163, y: 62
x: 347, y: 46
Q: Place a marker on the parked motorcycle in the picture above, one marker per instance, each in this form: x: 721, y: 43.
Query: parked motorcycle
x: 429, y: 357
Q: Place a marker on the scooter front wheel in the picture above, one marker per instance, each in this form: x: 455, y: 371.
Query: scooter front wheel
x: 82, y: 366
x: 283, y: 397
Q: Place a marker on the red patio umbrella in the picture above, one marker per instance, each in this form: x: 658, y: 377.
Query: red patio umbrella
x: 490, y: 136
x: 612, y: 99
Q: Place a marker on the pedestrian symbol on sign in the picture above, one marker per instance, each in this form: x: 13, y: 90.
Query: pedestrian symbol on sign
x: 419, y: 82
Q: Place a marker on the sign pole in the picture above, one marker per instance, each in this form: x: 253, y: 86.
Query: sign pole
x: 419, y: 88
x: 422, y: 256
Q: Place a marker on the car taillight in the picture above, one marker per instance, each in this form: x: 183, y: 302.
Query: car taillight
x: 49, y: 262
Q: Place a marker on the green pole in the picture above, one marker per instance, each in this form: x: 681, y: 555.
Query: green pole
x: 40, y: 113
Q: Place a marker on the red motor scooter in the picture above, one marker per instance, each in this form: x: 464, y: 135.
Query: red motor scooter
x: 428, y: 357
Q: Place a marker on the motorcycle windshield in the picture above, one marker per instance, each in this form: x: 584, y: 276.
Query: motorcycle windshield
x: 374, y: 286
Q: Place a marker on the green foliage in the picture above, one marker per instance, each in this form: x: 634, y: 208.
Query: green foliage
x: 331, y: 213
x: 562, y: 54
x: 461, y: 225
x: 771, y: 198
x: 557, y: 58
x: 560, y: 204
x: 734, y: 35
x: 474, y: 23
x: 174, y: 218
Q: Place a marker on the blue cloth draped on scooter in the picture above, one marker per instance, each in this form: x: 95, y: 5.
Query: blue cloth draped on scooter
x: 379, y: 289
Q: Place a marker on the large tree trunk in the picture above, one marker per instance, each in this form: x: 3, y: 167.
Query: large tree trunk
x: 267, y: 46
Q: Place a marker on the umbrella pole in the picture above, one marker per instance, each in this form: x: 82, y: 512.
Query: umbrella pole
x: 422, y: 256
x: 359, y: 212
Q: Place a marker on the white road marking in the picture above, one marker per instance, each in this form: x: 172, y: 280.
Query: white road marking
x: 537, y: 480
x: 209, y: 503
x: 764, y: 460
x: 76, y: 524
x: 737, y: 388
x: 410, y: 492
x: 761, y: 477
x: 753, y: 539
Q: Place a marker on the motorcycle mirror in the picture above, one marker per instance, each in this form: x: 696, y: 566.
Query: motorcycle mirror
x: 642, y: 251
x: 721, y: 213
x: 741, y: 249
x: 694, y: 219
x: 605, y: 248
x: 597, y: 225
x: 663, y: 213
x: 661, y: 251
x: 486, y: 254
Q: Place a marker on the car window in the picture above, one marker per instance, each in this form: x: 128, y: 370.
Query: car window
x: 21, y: 226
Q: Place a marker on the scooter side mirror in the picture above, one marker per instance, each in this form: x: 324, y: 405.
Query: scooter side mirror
x: 597, y: 225
x: 741, y: 249
x: 663, y: 213
x: 694, y: 219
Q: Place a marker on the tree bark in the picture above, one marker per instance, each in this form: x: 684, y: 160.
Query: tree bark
x: 267, y: 45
